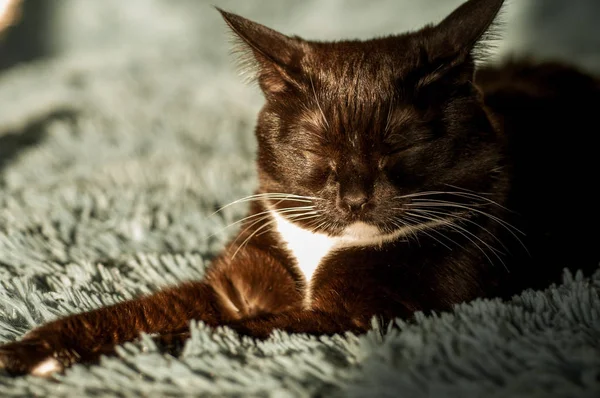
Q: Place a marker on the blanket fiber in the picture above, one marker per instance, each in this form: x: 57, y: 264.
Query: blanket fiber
x: 114, y: 156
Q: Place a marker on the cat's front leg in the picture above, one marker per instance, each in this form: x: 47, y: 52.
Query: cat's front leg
x: 230, y: 290
x: 85, y: 337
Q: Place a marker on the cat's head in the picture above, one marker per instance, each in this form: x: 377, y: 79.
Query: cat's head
x: 364, y: 127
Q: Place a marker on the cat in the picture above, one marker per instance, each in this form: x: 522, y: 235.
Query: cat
x: 394, y: 177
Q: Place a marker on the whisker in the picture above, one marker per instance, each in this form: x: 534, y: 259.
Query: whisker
x: 424, y: 231
x: 460, y: 227
x: 509, y: 227
x: 263, y: 218
x: 468, y: 195
x: 467, y: 190
x: 389, y: 117
x: 432, y: 229
x: 448, y: 224
x: 402, y: 225
x: 284, y: 211
x: 317, y: 101
x: 250, y: 237
x: 444, y: 203
x: 294, y: 218
x: 465, y: 219
x: 256, y: 232
x: 313, y: 230
x: 311, y: 224
x: 466, y: 233
x: 413, y: 231
x: 268, y: 195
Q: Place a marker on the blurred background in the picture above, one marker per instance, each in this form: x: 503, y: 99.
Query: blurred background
x: 34, y: 29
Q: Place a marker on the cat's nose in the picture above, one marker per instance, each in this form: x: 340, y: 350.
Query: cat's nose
x: 354, y: 201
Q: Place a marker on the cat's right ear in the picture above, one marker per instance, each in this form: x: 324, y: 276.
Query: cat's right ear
x: 272, y: 57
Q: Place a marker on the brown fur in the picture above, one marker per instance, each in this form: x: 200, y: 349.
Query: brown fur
x: 360, y: 125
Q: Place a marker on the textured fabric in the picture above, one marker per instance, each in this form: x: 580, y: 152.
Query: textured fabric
x: 114, y: 157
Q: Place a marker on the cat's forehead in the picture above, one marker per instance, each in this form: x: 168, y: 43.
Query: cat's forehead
x: 356, y: 86
x: 363, y: 65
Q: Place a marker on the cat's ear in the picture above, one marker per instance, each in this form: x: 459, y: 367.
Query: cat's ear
x: 272, y: 57
x: 461, y: 38
x: 464, y: 28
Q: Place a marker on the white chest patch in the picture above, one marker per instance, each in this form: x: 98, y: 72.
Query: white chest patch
x: 310, y: 248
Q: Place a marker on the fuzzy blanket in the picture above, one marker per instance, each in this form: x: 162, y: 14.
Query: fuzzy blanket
x: 113, y: 158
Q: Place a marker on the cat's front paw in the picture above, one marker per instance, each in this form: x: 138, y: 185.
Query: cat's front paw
x: 33, y: 356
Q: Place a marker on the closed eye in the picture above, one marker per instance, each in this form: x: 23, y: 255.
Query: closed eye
x: 397, y: 150
x: 407, y: 139
x: 392, y: 155
x: 316, y: 159
x: 311, y: 155
x: 312, y: 152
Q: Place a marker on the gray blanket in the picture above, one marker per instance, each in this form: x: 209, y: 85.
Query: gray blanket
x: 115, y: 154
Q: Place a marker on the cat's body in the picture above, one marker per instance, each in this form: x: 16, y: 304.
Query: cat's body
x: 390, y: 182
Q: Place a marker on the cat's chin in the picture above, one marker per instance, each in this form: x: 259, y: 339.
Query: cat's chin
x: 365, y: 234
x: 360, y: 230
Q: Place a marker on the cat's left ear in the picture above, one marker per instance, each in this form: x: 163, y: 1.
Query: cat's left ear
x: 461, y: 36
x: 273, y: 56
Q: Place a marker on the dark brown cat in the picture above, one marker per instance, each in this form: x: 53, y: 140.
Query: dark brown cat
x: 391, y: 181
